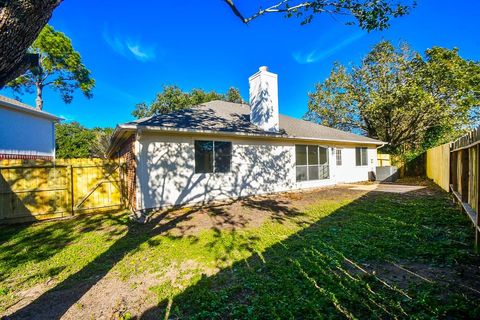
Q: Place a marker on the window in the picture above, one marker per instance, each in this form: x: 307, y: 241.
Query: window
x: 311, y: 162
x: 212, y: 156
x: 338, y: 156
x: 361, y: 157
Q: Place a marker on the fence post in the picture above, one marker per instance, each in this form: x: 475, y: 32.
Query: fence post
x: 477, y: 197
x: 71, y: 189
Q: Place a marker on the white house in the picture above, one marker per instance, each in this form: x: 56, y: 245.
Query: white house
x: 25, y: 133
x: 221, y: 150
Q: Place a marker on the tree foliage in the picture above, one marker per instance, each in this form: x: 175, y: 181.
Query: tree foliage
x: 368, y: 14
x: 101, y: 143
x: 397, y: 95
x: 60, y: 68
x: 173, y: 98
x: 73, y: 140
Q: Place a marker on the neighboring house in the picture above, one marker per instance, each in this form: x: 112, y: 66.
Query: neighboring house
x: 25, y: 133
x: 221, y: 150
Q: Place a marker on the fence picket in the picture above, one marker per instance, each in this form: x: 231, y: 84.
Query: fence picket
x: 39, y: 190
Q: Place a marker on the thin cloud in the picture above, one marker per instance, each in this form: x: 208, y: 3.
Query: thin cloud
x: 129, y: 48
x: 317, y: 55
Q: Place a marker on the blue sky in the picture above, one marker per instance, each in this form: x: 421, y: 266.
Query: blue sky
x: 134, y: 47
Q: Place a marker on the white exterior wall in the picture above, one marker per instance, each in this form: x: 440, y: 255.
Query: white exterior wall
x: 26, y: 134
x: 166, y: 170
x: 348, y: 172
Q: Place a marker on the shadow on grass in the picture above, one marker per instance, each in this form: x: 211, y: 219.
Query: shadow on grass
x: 162, y: 223
x: 314, y: 273
x: 32, y: 243
x: 319, y: 272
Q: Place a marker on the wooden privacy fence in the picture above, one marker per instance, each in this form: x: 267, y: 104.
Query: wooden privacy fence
x: 39, y: 190
x: 383, y: 159
x: 455, y: 167
x: 438, y: 165
x: 465, y: 177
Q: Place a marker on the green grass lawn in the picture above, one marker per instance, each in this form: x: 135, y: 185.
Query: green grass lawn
x: 341, y: 256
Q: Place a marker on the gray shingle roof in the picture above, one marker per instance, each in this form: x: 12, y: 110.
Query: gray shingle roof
x: 231, y: 117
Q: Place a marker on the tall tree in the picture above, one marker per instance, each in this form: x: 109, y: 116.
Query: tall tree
x: 60, y: 67
x: 368, y: 14
x: 20, y: 24
x: 173, y: 98
x: 233, y: 95
x: 409, y: 100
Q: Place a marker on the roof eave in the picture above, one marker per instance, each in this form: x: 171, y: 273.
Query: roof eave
x: 31, y: 111
x: 117, y: 136
x: 239, y: 134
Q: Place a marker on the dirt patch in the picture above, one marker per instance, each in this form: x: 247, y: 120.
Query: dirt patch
x: 111, y: 297
x: 253, y: 211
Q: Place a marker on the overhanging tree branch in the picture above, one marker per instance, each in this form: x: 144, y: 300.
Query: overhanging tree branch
x: 370, y: 14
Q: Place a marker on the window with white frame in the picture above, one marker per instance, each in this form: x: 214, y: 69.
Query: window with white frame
x: 212, y: 156
x: 311, y: 162
x: 361, y: 156
x: 338, y: 156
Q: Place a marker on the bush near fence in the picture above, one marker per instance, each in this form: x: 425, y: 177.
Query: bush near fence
x: 39, y: 190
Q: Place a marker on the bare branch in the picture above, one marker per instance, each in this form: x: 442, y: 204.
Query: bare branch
x: 235, y: 10
x: 276, y: 8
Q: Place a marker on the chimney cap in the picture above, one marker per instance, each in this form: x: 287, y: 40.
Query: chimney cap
x: 263, y: 68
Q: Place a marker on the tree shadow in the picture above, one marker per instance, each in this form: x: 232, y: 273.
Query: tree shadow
x: 316, y: 271
x: 167, y: 173
x: 89, y: 275
x: 40, y: 190
x: 325, y: 271
x: 27, y: 243
x: 213, y: 116
x: 28, y: 191
x: 172, y: 223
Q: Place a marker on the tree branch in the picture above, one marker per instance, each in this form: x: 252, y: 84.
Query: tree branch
x: 235, y: 10
x: 276, y: 8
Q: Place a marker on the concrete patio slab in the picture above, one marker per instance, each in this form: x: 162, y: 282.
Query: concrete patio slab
x: 385, y: 187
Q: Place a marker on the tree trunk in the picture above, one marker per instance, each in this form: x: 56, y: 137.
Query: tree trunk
x: 39, y: 99
x: 20, y: 23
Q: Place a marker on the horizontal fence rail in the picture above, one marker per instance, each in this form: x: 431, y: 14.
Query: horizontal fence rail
x: 40, y: 190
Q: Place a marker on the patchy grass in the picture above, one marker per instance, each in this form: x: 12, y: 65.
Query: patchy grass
x: 327, y: 254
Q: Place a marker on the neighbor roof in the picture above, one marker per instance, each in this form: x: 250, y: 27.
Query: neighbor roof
x: 234, y: 118
x: 25, y: 108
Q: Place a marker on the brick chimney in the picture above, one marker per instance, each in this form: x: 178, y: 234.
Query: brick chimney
x: 264, y: 100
